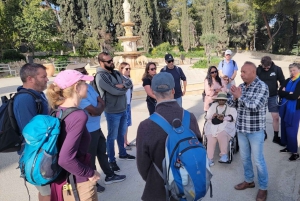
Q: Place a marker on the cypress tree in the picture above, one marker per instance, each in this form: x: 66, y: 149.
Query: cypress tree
x: 140, y: 14
x: 185, y: 27
x: 220, y: 23
x: 156, y: 27
x: 72, y: 24
x: 118, y: 18
x: 100, y: 15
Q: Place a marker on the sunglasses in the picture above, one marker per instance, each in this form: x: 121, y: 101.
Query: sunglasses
x: 109, y: 61
x: 152, y: 69
x: 127, y: 69
x: 170, y: 61
x: 213, y: 72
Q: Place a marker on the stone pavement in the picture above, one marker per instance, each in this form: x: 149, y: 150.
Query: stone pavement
x: 284, y: 176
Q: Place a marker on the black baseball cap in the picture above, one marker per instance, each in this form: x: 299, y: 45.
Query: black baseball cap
x: 169, y: 57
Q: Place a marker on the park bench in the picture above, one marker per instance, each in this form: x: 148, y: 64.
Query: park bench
x: 6, y: 68
x: 61, y: 65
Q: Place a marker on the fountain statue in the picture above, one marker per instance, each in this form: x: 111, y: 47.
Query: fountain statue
x: 129, y: 41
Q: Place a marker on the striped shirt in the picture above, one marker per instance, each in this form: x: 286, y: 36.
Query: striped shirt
x: 251, y: 107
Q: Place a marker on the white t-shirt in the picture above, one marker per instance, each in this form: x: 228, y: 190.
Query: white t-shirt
x: 128, y: 93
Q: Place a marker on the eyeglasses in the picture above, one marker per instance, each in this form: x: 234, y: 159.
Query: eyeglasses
x: 152, y: 69
x: 170, y: 61
x: 127, y: 69
x: 109, y: 61
x: 213, y: 72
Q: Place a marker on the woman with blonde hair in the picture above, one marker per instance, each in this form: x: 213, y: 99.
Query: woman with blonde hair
x: 150, y: 71
x: 65, y: 92
x: 124, y: 69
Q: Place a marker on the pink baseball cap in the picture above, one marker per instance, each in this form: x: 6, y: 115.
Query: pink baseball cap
x: 67, y: 78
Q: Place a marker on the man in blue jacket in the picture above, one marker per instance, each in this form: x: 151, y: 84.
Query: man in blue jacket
x: 26, y: 106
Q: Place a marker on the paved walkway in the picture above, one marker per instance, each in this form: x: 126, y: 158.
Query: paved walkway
x: 284, y: 176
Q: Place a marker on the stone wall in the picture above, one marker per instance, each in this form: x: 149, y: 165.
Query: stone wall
x: 16, y: 65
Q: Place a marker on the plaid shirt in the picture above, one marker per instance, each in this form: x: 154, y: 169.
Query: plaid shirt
x: 251, y: 107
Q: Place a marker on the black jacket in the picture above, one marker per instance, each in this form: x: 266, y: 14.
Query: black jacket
x: 287, y: 95
x: 271, y: 78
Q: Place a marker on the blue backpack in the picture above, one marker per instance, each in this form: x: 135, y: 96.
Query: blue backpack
x: 39, y: 160
x: 185, y: 168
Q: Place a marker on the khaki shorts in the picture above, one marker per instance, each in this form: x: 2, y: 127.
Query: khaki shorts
x: 86, y: 190
x: 44, y: 190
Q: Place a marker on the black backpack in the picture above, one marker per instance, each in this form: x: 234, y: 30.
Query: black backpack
x: 10, y: 135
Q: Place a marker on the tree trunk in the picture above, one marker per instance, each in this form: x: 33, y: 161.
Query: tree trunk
x: 270, y: 42
x: 74, y: 49
x: 268, y: 30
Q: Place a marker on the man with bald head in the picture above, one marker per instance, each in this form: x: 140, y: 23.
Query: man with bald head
x: 251, y: 100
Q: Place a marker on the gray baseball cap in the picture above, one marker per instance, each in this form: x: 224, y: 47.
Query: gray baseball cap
x: 73, y: 66
x: 162, y: 82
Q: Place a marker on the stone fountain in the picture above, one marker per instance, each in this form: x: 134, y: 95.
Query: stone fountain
x: 129, y: 41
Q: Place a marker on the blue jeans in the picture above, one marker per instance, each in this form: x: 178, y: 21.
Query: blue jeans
x: 179, y: 101
x: 253, y: 143
x: 116, y: 126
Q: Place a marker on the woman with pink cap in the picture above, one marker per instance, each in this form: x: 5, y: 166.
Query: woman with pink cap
x: 66, y: 92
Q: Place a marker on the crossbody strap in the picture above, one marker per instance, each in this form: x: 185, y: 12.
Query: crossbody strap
x: 223, y: 111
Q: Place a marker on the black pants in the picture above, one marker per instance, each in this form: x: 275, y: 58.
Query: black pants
x: 98, y: 149
x: 151, y: 106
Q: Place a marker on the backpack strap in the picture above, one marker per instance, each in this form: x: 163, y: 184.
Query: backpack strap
x: 162, y: 122
x: 186, y: 119
x: 68, y: 111
x: 37, y: 99
x: 234, y: 64
x: 164, y: 69
x: 74, y: 189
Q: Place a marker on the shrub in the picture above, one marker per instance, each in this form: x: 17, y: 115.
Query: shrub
x: 200, y: 64
x: 13, y: 55
x: 203, y: 63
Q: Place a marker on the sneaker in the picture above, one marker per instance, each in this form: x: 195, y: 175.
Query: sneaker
x: 294, y: 157
x: 224, y: 159
x: 114, y: 179
x: 210, y: 162
x: 277, y: 140
x: 127, y: 157
x: 100, y: 188
x: 114, y: 167
x: 284, y: 150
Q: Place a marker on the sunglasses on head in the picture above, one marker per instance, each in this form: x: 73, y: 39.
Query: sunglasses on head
x: 152, y: 69
x: 109, y: 61
x: 170, y: 61
x: 213, y: 72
